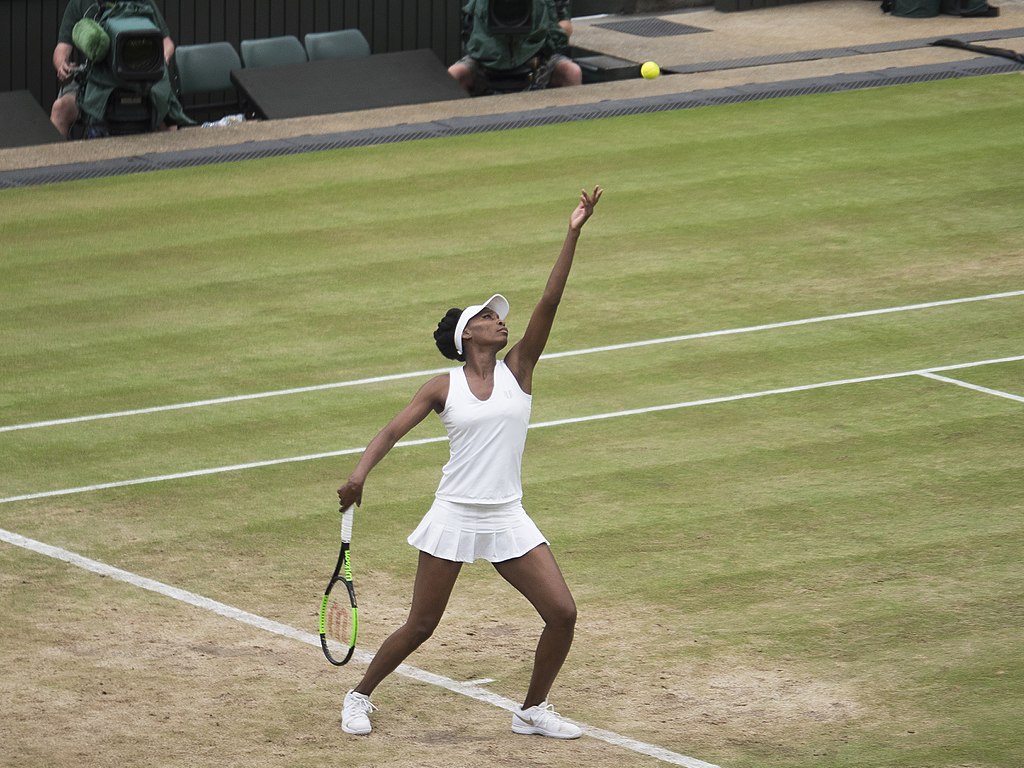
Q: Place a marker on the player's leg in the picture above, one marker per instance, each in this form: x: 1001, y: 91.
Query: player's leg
x: 537, y: 576
x: 435, y: 579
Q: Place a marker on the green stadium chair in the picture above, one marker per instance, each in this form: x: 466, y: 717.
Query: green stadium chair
x: 340, y: 44
x: 273, y: 52
x: 205, y: 68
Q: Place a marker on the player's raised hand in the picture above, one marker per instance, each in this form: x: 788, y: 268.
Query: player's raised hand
x: 585, y: 209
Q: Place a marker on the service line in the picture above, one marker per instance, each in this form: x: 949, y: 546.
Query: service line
x: 975, y: 387
x: 538, y: 425
x: 549, y: 356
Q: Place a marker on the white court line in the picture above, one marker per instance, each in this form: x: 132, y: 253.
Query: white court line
x: 549, y: 356
x: 538, y: 425
x: 210, y: 471
x: 229, y: 399
x: 975, y: 387
x: 268, y: 625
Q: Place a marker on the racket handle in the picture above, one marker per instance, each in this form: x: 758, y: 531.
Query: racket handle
x: 346, y: 524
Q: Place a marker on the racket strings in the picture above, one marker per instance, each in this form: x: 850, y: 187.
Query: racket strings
x: 339, y: 620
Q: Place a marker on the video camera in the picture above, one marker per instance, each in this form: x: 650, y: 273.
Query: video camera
x: 136, y: 49
x: 130, y: 46
x: 125, y: 51
x: 510, y: 17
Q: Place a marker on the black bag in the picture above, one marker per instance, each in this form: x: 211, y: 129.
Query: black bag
x: 969, y: 8
x: 914, y: 9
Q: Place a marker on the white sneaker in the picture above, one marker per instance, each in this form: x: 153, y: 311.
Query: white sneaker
x: 355, y: 714
x: 542, y: 720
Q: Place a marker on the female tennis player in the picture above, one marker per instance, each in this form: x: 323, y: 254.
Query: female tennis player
x: 477, y: 510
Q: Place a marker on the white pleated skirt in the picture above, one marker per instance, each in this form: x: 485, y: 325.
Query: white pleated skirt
x: 467, y: 532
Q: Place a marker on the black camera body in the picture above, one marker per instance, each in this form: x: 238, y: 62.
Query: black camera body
x: 510, y: 17
x: 136, y: 49
x: 129, y: 62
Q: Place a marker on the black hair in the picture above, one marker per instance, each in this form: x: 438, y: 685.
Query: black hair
x: 444, y: 336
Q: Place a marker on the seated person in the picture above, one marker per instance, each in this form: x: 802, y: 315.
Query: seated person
x: 538, y: 56
x: 65, y: 111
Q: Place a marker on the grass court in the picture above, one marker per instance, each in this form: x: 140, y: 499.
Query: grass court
x: 776, y: 443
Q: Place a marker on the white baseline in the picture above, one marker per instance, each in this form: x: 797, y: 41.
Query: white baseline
x: 538, y: 425
x: 268, y: 625
x: 549, y: 356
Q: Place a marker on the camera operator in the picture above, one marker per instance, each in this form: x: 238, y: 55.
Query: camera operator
x: 65, y: 111
x: 536, y: 51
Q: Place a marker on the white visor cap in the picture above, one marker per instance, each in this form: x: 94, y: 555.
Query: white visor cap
x: 497, y: 302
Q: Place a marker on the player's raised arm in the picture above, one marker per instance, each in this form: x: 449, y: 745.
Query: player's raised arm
x: 522, y: 358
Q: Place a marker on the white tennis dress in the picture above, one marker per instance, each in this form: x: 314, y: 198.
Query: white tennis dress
x: 478, y: 510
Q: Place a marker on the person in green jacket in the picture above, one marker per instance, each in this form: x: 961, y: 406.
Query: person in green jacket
x: 538, y: 55
x: 76, y: 97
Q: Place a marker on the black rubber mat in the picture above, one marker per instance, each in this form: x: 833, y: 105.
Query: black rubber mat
x: 651, y: 27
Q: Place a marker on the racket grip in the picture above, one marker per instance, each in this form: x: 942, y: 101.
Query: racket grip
x: 346, y: 524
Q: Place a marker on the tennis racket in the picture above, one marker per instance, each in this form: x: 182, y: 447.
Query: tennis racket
x: 339, y: 617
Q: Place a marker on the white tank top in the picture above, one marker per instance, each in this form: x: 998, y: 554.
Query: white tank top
x: 486, y: 439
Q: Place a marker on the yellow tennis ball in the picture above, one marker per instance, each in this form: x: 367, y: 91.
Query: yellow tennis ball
x: 650, y: 70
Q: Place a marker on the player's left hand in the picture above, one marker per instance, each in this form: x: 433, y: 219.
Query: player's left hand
x: 585, y: 209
